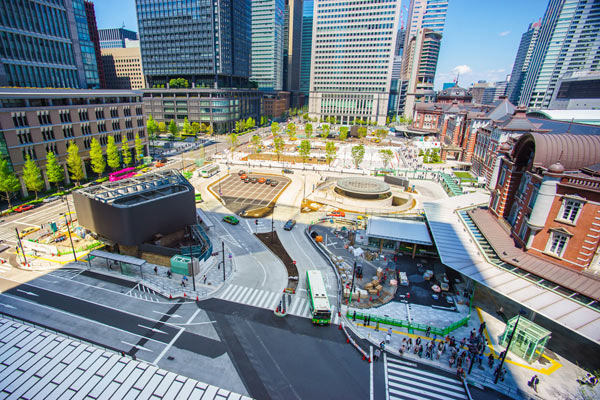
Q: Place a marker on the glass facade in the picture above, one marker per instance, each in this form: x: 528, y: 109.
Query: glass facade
x: 204, y: 43
x: 37, y: 43
x: 307, y: 26
x: 267, y: 43
x: 115, y: 37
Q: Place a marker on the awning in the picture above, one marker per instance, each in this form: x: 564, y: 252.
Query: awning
x: 458, y: 250
x: 402, y: 230
x: 118, y: 257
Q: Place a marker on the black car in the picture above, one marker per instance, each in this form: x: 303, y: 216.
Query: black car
x: 268, y: 182
x: 289, y: 225
x: 241, y: 172
x: 288, y: 171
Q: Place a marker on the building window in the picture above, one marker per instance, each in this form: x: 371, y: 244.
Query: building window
x: 99, y: 113
x: 44, y: 118
x: 116, y: 125
x: 141, y: 133
x: 138, y: 111
x: 570, y: 210
x: 83, y: 114
x: 502, y: 177
x: 19, y: 119
x: 114, y: 113
x: 140, y: 122
x: 86, y: 129
x: 130, y: 135
x: 101, y: 126
x: 65, y: 116
x: 514, y: 213
x: 495, y: 202
x: 48, y: 134
x: 523, y: 229
x: 534, y: 194
x: 68, y: 131
x: 24, y: 136
x: 128, y: 123
x: 557, y: 243
x: 127, y: 111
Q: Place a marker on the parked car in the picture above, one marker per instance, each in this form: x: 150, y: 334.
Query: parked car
x: 274, y: 183
x: 268, y: 182
x: 337, y: 213
x: 261, y: 180
x: 289, y: 225
x: 247, y: 180
x: 50, y: 199
x: 24, y: 208
x: 287, y: 171
x: 243, y: 176
x: 230, y: 219
x: 253, y: 180
x: 241, y: 172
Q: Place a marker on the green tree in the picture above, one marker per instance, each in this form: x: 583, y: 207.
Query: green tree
x: 330, y: 152
x: 343, y: 133
x: 362, y: 132
x: 386, y: 156
x: 151, y: 125
x: 435, y: 156
x: 358, y: 154
x: 32, y: 176
x: 275, y: 128
x: 233, y: 140
x: 178, y: 83
x: 304, y: 150
x: 187, y: 128
x: 278, y: 145
x: 54, y: 171
x: 263, y: 120
x: 250, y: 123
x: 256, y: 142
x: 173, y: 130
x: 381, y: 133
x: 9, y: 183
x: 203, y: 127
x: 325, y: 131
x: 97, y: 158
x: 308, y: 129
x: 139, y: 148
x: 74, y: 164
x: 305, y: 116
x: 291, y: 128
x: 162, y: 127
x: 195, y: 128
x: 209, y: 130
x: 387, y: 120
x: 112, y: 154
x: 125, y: 153
x: 332, y: 120
x: 237, y: 126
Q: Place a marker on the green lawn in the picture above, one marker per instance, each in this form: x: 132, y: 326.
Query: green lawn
x: 465, y: 176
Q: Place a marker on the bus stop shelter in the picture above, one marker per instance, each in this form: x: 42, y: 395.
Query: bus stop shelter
x: 530, y: 339
x: 117, y: 260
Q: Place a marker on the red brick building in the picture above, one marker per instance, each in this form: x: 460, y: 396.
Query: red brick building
x: 547, y: 195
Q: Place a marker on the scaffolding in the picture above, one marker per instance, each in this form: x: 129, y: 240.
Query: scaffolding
x: 530, y: 339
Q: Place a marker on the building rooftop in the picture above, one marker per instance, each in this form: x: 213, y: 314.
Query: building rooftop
x: 573, y: 151
x: 591, y: 117
x: 403, y: 230
x: 138, y: 189
x: 62, y: 92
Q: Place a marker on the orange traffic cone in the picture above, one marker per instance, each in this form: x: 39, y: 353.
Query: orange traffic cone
x: 184, y: 295
x: 347, y: 340
x: 369, y: 360
x: 340, y: 328
x: 197, y: 299
x: 170, y: 297
x: 364, y: 358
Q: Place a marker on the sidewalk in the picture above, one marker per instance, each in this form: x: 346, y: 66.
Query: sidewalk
x: 557, y: 376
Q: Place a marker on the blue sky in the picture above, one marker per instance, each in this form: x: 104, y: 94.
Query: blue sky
x: 481, y: 37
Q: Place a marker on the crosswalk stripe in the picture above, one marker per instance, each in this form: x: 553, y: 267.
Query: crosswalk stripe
x: 261, y: 298
x: 296, y: 305
x: 250, y: 296
x: 435, y: 386
x: 403, y: 395
x: 273, y: 300
x: 401, y: 374
x: 225, y: 293
x: 427, y: 374
x: 239, y: 295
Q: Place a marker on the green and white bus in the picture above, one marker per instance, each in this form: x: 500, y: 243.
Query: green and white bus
x: 207, y: 171
x: 319, y: 302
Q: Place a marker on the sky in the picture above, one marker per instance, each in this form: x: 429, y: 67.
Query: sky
x: 480, y: 40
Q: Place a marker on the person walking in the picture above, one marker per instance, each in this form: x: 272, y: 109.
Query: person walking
x: 377, y: 354
x: 491, y: 360
x: 481, y: 327
x: 169, y: 274
x: 182, y: 282
x: 428, y: 331
x: 534, y: 382
x: 155, y: 270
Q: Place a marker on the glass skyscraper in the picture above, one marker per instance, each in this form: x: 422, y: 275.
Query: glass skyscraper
x: 307, y: 27
x: 115, y: 37
x: 267, y: 43
x: 205, y: 44
x: 569, y: 40
x: 46, y: 45
x: 522, y: 60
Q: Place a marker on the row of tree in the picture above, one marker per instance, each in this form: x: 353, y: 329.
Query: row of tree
x: 32, y: 175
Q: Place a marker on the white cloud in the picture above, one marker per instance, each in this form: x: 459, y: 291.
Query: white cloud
x: 462, y: 69
x: 504, y: 33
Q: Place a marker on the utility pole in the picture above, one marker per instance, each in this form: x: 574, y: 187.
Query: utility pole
x: 193, y: 270
x: 223, y: 251
x: 21, y: 244
x: 512, y: 335
x: 71, y: 238
x: 272, y: 224
x: 352, y: 285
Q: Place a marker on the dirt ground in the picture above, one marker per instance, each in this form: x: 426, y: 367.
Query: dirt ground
x: 277, y: 248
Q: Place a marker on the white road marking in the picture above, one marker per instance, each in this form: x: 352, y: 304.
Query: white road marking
x: 170, y: 315
x: 189, y: 321
x: 7, y: 306
x: 385, y: 371
x: 137, y: 346
x: 371, y: 373
x: 28, y: 293
x: 152, y: 329
x: 163, y: 352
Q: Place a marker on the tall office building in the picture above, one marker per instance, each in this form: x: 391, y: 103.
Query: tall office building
x: 307, y: 31
x: 267, y: 43
x: 292, y: 45
x: 115, y: 37
x: 569, y: 40
x: 396, y: 84
x: 46, y: 44
x: 206, y: 44
x: 94, y: 37
x: 123, y: 68
x: 352, y: 59
x: 424, y: 30
x: 522, y: 60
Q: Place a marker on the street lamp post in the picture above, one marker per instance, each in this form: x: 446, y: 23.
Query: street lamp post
x: 64, y: 198
x: 272, y: 224
x: 193, y: 269
x: 70, y: 237
x: 21, y: 244
x: 512, y: 335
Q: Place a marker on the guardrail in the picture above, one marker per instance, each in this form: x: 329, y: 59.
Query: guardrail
x: 46, y: 328
x: 411, y: 326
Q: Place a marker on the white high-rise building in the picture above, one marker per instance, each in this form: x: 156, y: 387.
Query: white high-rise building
x: 352, y: 57
x: 266, y: 67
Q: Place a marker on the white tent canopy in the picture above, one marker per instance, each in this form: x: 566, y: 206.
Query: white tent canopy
x: 401, y: 230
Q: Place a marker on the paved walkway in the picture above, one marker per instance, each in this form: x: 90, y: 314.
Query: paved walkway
x: 35, y: 364
x: 557, y: 375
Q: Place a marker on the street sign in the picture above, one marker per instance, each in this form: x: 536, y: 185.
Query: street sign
x: 294, y: 262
